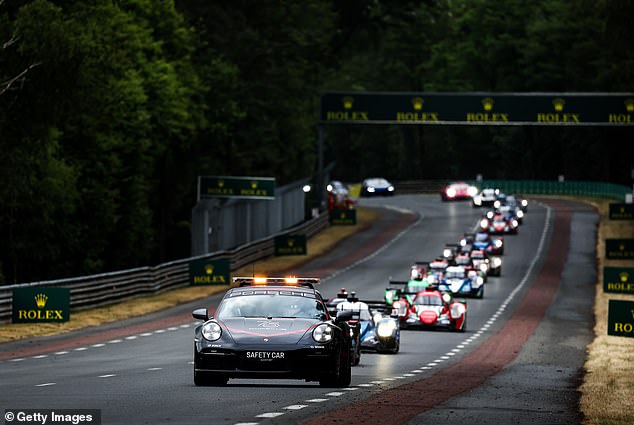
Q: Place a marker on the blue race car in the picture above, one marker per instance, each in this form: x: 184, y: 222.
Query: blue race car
x: 458, y: 282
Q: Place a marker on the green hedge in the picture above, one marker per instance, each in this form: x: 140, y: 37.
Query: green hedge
x: 549, y: 187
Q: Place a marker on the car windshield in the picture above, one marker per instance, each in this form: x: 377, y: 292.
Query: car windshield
x: 271, y: 304
x: 482, y: 237
x: 454, y: 274
x: 414, y: 288
x: 428, y: 300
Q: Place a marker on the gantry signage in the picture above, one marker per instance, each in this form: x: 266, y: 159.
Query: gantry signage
x: 236, y: 187
x: 618, y: 280
x: 619, y: 249
x: 606, y: 109
x: 290, y: 245
x: 621, y: 318
x: 209, y: 272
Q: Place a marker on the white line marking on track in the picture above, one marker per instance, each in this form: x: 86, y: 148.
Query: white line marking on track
x: 365, y: 385
x: 41, y: 356
x: 131, y: 337
x: 146, y: 334
x: 335, y: 394
x: 159, y: 331
x: 47, y: 384
x: 295, y: 407
x: 81, y: 349
x: 109, y: 375
x: 114, y: 341
x: 61, y: 353
x: 154, y: 368
x: 350, y: 389
x: 269, y: 415
x: 317, y: 400
x: 98, y: 345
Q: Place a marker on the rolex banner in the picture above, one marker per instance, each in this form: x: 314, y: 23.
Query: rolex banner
x: 290, y: 245
x: 607, y: 109
x: 209, y: 272
x: 41, y: 304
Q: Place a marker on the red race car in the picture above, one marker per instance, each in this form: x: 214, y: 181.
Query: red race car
x: 458, y: 191
x: 432, y: 308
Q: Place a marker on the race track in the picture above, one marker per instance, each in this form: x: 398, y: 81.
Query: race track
x: 142, y: 373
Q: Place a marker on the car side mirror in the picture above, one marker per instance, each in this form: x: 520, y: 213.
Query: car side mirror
x: 343, y: 316
x: 201, y: 314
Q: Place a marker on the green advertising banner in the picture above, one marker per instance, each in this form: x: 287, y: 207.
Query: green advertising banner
x: 209, y: 272
x: 236, y: 187
x: 621, y: 318
x: 619, y: 249
x: 621, y: 211
x: 618, y: 280
x: 343, y: 217
x: 41, y: 304
x: 290, y: 245
x: 608, y: 109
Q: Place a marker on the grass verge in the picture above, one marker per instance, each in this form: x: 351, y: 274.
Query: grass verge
x: 317, y: 245
x: 607, y: 390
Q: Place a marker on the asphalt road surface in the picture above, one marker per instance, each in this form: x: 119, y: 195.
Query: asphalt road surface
x: 140, y: 371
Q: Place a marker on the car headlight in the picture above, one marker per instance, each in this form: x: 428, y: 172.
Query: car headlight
x: 514, y: 223
x: 386, y: 328
x: 446, y: 253
x: 498, y: 243
x: 211, y: 331
x: 472, y: 191
x: 322, y: 333
x: 484, y: 267
x: 457, y: 310
x: 479, y: 281
x: 520, y: 214
x: 377, y: 317
x: 390, y: 189
x: 484, y: 223
x: 497, y: 204
x: 477, y: 200
x: 451, y: 192
x: 497, y: 262
x: 524, y: 202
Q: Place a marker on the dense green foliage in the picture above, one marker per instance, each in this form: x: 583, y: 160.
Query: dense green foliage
x: 109, y: 109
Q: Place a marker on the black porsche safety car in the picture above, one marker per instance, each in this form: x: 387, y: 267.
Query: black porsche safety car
x: 272, y: 328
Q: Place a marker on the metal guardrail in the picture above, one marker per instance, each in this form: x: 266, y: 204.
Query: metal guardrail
x: 108, y: 288
x: 526, y: 187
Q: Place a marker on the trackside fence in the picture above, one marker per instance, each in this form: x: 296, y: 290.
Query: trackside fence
x: 108, y: 288
x: 526, y: 187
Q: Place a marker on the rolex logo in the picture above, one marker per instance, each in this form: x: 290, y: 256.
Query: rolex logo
x: 487, y: 103
x: 209, y: 269
x: 254, y: 185
x: 558, y: 104
x: 40, y: 300
x: 347, y: 102
x: 291, y: 242
x: 221, y: 183
x: 629, y: 105
x: 624, y: 276
x: 417, y: 103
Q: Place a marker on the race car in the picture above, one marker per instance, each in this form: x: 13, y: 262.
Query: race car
x: 435, y: 309
x: 512, y: 212
x: 499, y: 224
x: 377, y: 186
x: 486, y: 198
x: 403, y: 290
x: 458, y: 191
x: 332, y: 305
x: 272, y: 328
x: 514, y: 201
x: 378, y: 330
x: 458, y: 282
x: 492, y: 266
x: 484, y: 242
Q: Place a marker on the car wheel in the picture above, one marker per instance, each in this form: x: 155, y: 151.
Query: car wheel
x: 481, y: 292
x: 342, y: 376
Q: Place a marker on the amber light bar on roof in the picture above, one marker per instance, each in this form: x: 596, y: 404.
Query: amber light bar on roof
x: 277, y: 281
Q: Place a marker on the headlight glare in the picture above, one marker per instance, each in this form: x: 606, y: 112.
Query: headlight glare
x: 386, y: 328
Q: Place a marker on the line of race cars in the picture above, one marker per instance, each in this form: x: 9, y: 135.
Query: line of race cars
x: 282, y: 327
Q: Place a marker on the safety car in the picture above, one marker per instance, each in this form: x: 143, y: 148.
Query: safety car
x: 272, y: 328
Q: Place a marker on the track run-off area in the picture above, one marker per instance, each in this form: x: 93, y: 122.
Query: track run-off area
x: 521, y: 356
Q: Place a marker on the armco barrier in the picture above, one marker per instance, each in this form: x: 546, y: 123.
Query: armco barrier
x: 526, y: 187
x: 108, y: 288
